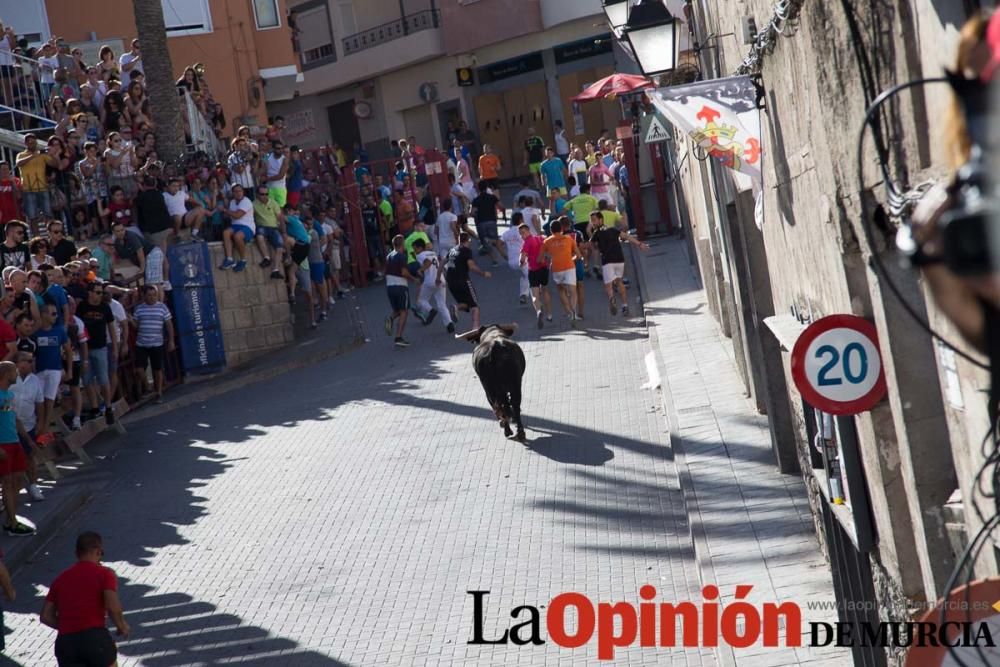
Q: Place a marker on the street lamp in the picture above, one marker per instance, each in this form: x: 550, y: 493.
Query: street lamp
x: 652, y: 32
x: 617, y: 11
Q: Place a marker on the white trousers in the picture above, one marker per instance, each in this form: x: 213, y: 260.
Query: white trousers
x: 433, y: 298
x: 523, y: 288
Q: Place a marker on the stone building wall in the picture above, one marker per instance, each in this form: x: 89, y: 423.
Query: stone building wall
x: 253, y: 309
x: 814, y: 257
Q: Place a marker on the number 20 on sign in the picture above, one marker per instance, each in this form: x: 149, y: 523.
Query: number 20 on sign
x: 837, y: 366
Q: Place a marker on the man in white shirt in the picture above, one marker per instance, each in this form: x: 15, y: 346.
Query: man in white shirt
x: 176, y: 198
x: 131, y: 60
x: 432, y: 298
x: 512, y: 244
x: 533, y: 196
x: 240, y: 232
x: 532, y: 216
x: 562, y: 145
x: 445, y: 232
x: 277, y: 168
x: 29, y: 400
x: 48, y: 63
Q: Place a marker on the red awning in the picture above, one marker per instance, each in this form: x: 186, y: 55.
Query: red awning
x: 616, y: 84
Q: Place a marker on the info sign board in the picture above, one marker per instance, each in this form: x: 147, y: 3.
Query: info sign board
x: 837, y: 366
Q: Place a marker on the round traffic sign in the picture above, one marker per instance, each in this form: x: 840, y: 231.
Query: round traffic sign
x: 837, y: 366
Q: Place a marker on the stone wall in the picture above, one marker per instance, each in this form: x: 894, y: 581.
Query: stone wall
x: 253, y: 309
x: 814, y: 257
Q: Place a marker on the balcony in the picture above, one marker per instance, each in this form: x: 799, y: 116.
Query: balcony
x: 388, y: 32
x: 371, y: 53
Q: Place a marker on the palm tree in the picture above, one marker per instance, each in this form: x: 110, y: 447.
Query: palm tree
x: 163, y: 99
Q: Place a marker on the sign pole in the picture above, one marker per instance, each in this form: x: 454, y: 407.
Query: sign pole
x: 660, y: 177
x: 636, y: 216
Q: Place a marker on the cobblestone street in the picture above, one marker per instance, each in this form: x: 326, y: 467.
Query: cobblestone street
x: 338, y: 514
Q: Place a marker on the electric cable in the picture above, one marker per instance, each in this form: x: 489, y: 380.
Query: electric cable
x: 866, y: 223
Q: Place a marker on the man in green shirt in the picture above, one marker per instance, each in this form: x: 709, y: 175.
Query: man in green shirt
x: 611, y: 217
x: 386, y: 219
x: 104, y: 254
x: 419, y: 233
x: 270, y: 223
x: 582, y: 205
x: 534, y: 154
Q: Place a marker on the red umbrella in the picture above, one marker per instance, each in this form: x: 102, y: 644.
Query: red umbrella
x: 614, y: 85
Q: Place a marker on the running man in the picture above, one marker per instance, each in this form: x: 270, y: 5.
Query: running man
x: 397, y: 280
x: 563, y: 253
x: 512, y: 251
x: 553, y: 172
x: 460, y: 263
x: 432, y: 298
x: 538, y: 273
x: 534, y: 154
x: 609, y: 243
x: 484, y: 208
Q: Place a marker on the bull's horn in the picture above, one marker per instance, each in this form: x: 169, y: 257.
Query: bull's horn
x: 468, y: 335
x: 508, y: 329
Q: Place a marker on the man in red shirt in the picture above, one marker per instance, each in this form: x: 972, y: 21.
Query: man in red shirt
x: 77, y: 604
x: 10, y: 195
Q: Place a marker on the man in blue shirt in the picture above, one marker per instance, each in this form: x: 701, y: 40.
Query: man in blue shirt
x: 553, y: 172
x: 14, y: 463
x: 53, y: 354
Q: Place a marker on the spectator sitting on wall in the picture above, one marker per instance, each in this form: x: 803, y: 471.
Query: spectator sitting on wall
x: 184, y: 210
x: 240, y: 232
x: 140, y: 251
x: 270, y: 234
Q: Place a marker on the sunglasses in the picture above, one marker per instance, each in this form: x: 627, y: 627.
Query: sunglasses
x: 56, y: 232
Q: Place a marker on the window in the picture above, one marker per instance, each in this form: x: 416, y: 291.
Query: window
x: 186, y: 17
x: 266, y: 13
x: 315, y: 36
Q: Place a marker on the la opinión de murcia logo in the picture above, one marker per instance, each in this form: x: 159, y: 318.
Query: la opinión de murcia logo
x: 703, y: 624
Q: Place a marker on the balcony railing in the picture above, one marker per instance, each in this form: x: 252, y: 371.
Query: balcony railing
x: 387, y: 32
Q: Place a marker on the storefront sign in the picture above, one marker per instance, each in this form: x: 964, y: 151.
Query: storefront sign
x: 464, y: 76
x: 508, y: 68
x: 837, y: 366
x: 199, y: 331
x: 584, y: 48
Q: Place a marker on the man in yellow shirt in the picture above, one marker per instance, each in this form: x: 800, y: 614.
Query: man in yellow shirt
x: 34, y: 183
x: 270, y: 223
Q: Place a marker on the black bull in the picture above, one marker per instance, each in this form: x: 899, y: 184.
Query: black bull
x: 499, y: 363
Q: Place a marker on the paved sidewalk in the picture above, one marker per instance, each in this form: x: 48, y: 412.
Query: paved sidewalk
x: 751, y: 524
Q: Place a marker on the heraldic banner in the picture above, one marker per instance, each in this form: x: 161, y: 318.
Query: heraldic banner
x: 723, y: 122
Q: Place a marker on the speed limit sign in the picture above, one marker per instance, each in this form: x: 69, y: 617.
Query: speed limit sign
x: 837, y: 366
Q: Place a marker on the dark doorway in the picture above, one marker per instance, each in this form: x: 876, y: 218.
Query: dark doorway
x: 448, y: 112
x: 344, y: 127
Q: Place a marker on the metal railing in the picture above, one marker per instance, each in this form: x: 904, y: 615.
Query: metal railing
x: 23, y: 96
x: 202, y: 135
x: 387, y: 32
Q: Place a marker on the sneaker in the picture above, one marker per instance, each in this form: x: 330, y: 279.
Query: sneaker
x: 313, y: 325
x: 579, y: 318
x: 240, y: 265
x: 19, y: 530
x: 197, y: 238
x: 388, y: 325
x: 548, y: 318
x: 597, y: 273
x: 625, y: 310
x: 538, y: 317
x: 158, y: 399
x: 277, y: 275
x: 322, y: 316
x: 75, y: 425
x: 332, y: 301
x: 451, y: 327
x: 109, y: 417
x: 612, y: 308
x: 431, y: 315
x: 453, y: 311
x: 35, y: 493
x: 625, y: 282
x: 227, y: 264
x: 402, y: 342
x: 341, y: 294
x: 264, y: 263
x: 523, y: 300
x: 44, y: 439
